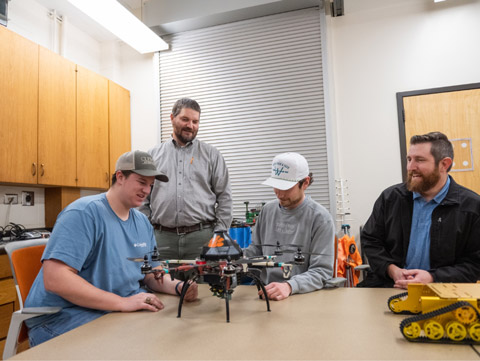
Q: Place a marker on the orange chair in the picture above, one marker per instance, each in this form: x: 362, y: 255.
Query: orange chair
x: 25, y: 261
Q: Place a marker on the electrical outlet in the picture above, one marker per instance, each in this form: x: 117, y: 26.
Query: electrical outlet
x: 10, y: 199
x: 28, y: 198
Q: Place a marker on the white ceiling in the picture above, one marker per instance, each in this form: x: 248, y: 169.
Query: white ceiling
x: 78, y: 19
x: 170, y: 16
x: 173, y: 16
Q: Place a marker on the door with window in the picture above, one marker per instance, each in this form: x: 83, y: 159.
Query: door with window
x: 454, y: 111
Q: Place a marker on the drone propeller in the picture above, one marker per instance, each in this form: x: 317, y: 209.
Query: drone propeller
x: 136, y: 259
x: 155, y: 255
x: 275, y: 245
x: 298, y: 254
x: 302, y: 252
x: 248, y: 260
x: 279, y: 249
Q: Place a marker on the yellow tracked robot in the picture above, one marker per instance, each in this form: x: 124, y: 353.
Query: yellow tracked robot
x: 444, y: 312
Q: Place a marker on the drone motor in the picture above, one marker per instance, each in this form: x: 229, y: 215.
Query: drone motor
x: 298, y: 257
x: 146, y: 266
x: 155, y: 255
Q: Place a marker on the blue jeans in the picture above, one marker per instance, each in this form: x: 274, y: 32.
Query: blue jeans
x: 50, y: 326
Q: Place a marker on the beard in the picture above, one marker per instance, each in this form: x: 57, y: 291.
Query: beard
x: 188, y: 137
x: 424, y: 183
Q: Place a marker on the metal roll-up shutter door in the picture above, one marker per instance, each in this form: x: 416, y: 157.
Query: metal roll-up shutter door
x: 260, y: 85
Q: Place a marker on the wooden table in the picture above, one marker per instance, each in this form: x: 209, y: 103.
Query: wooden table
x: 334, y: 324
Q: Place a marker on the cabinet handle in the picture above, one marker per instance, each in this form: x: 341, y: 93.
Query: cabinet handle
x: 42, y: 169
x: 34, y: 169
x: 106, y: 177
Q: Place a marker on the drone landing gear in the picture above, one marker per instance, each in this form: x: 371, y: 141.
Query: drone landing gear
x: 224, y: 292
x: 260, y: 285
x: 185, y: 287
x: 227, y: 305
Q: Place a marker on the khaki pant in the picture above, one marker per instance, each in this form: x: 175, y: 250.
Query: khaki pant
x: 187, y: 246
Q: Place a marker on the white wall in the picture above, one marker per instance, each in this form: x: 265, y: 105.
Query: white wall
x: 140, y: 76
x: 379, y: 48
x: 28, y: 216
x: 31, y: 20
x: 113, y: 60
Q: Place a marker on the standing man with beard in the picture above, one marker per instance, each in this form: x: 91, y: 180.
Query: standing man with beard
x: 197, y: 200
x: 427, y: 229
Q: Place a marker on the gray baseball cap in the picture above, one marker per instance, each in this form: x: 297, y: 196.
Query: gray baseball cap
x: 141, y: 163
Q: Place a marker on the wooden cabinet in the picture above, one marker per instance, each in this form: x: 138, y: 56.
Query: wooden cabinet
x: 119, y: 123
x: 62, y: 125
x: 55, y: 200
x: 57, y: 163
x: 92, y: 130
x: 18, y: 108
x: 8, y: 299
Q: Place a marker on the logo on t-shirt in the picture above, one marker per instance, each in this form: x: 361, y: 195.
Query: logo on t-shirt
x: 285, y: 228
x: 143, y: 244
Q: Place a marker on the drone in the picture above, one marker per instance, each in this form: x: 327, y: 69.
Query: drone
x: 221, y: 264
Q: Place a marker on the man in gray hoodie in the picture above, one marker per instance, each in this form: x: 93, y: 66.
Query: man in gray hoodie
x: 294, y: 219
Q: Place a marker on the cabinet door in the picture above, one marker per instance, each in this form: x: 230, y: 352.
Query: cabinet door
x: 18, y: 108
x: 56, y: 120
x: 92, y: 130
x: 119, y: 122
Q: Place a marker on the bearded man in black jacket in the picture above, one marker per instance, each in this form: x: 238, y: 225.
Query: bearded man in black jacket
x: 427, y: 229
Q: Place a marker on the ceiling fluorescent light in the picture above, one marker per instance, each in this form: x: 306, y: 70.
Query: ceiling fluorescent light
x: 438, y: 1
x: 122, y: 23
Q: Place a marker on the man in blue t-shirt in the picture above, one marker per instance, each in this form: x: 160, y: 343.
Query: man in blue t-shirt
x: 85, y: 268
x: 427, y: 229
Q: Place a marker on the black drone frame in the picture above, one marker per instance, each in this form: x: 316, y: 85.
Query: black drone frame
x: 224, y: 289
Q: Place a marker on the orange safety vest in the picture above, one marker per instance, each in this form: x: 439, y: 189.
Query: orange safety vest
x: 348, y: 258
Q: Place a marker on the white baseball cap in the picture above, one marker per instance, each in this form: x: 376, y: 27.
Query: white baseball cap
x: 287, y: 170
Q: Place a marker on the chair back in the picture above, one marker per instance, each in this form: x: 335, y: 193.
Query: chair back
x: 25, y: 261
